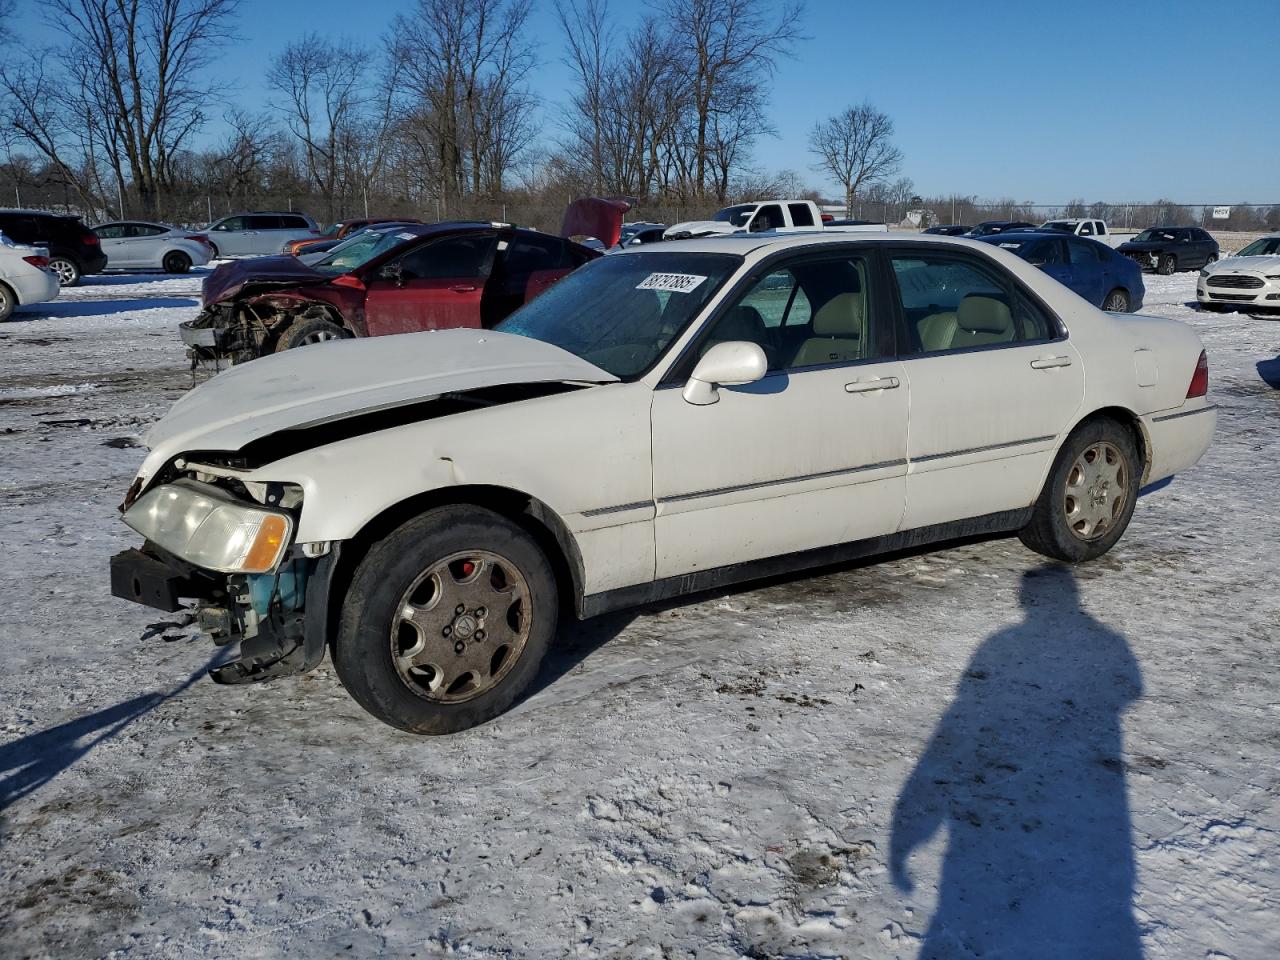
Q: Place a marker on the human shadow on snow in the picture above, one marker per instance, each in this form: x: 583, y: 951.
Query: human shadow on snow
x: 28, y: 763
x: 1025, y: 771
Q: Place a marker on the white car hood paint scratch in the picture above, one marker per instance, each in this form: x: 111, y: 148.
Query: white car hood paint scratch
x: 334, y: 380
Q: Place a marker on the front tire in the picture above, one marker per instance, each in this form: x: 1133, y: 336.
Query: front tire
x: 1166, y: 265
x: 306, y: 332
x: 68, y: 271
x: 7, y: 302
x: 446, y: 621
x: 175, y: 261
x: 1117, y: 301
x: 1089, y: 497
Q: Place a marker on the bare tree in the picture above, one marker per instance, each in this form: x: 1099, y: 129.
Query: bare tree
x: 728, y: 49
x: 324, y: 86
x: 125, y: 89
x: 461, y: 63
x: 855, y: 147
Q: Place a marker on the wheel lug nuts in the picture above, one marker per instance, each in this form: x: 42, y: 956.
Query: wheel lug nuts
x: 459, y: 647
x: 459, y: 608
x: 479, y: 634
x: 447, y: 631
x: 481, y: 611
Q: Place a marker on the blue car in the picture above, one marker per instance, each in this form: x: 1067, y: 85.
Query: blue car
x: 1092, y: 269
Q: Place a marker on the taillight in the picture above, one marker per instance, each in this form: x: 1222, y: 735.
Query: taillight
x: 1200, y: 379
x: 41, y: 262
x: 91, y: 240
x: 198, y: 239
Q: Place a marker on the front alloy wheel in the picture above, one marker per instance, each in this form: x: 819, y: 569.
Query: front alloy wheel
x: 446, y: 620
x: 461, y: 626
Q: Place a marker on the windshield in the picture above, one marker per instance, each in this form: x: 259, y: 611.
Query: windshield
x: 1265, y: 247
x: 360, y: 249
x: 1153, y: 236
x: 622, y: 312
x: 738, y: 216
x: 331, y: 231
x: 1062, y: 225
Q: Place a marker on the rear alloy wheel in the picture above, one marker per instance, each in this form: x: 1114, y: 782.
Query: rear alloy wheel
x: 446, y: 621
x: 1117, y: 302
x: 175, y: 261
x: 67, y: 270
x: 1088, y: 500
x: 7, y: 302
x: 305, y: 332
x: 1166, y: 265
x: 213, y: 252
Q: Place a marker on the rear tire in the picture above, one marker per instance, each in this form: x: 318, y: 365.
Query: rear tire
x: 1117, y: 301
x: 1166, y: 265
x: 412, y: 647
x: 1089, y: 496
x: 68, y: 271
x: 305, y: 332
x: 8, y: 301
x: 213, y: 251
x: 175, y: 261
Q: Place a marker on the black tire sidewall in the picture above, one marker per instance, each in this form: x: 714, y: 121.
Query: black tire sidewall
x: 176, y: 262
x: 1053, y: 536
x: 362, y: 648
x: 8, y: 300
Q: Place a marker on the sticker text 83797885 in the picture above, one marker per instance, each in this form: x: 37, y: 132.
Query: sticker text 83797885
x: 674, y: 282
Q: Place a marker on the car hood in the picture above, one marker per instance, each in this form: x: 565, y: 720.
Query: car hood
x: 698, y: 228
x: 1144, y: 246
x: 1259, y: 264
x: 334, y: 381
x: 230, y: 278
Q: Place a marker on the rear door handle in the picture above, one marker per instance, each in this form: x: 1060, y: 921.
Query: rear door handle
x: 867, y: 386
x: 463, y: 288
x: 1048, y: 363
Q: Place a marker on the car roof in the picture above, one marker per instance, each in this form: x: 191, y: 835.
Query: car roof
x: 743, y: 245
x: 39, y: 213
x: 145, y: 223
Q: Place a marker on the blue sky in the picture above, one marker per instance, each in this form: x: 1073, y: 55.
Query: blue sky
x: 1039, y: 102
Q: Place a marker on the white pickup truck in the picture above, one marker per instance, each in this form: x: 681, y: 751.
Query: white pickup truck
x: 759, y: 216
x: 1093, y: 229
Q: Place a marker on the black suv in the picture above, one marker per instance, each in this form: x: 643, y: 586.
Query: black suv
x: 1166, y: 249
x: 74, y: 249
x: 987, y: 227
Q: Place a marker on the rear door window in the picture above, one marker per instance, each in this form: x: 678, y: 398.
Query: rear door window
x: 1083, y: 254
x: 263, y: 222
x: 801, y: 216
x: 292, y: 222
x: 955, y: 302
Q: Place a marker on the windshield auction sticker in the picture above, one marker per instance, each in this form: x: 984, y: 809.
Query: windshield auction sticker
x: 674, y: 282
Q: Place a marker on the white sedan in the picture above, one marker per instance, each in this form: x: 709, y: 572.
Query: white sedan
x: 665, y: 420
x: 1248, y: 280
x: 25, y: 276
x: 136, y: 245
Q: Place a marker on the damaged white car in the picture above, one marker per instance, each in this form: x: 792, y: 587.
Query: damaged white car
x: 665, y: 420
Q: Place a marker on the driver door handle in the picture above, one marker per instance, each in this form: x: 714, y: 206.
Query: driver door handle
x: 1048, y: 363
x: 867, y: 386
x: 463, y: 288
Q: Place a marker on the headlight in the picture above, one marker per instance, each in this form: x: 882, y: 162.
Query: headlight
x: 1204, y: 272
x: 210, y: 529
x: 1273, y: 276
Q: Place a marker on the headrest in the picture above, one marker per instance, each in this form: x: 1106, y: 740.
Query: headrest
x: 841, y: 316
x: 979, y: 314
x: 741, y: 323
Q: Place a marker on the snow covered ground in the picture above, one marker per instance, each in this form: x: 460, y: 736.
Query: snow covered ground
x: 915, y: 757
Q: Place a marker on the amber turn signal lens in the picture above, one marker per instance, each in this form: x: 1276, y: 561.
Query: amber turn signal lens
x: 267, y: 544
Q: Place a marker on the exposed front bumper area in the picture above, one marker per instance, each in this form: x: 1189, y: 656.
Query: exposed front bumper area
x: 266, y: 615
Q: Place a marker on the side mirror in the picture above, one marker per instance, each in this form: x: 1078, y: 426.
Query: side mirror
x: 732, y: 363
x: 393, y: 272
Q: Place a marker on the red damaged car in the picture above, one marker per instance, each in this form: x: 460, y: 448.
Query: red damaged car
x: 427, y: 277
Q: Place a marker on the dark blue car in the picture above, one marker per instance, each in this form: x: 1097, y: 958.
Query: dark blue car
x: 1092, y: 269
